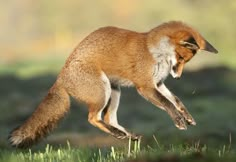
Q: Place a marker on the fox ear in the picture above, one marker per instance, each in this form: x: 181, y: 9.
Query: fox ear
x: 208, y: 47
x: 189, y: 43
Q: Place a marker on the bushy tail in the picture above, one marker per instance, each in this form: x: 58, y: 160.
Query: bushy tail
x: 43, y: 120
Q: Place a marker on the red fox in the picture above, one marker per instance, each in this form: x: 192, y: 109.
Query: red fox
x: 111, y: 57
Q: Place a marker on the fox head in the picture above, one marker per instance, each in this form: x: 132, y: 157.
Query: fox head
x: 185, y: 42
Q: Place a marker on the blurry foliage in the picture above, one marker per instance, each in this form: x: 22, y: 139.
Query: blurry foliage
x: 39, y: 30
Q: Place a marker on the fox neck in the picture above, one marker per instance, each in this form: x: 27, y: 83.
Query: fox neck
x: 164, y: 55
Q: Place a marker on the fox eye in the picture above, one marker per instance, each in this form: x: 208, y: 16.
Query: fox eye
x: 190, y: 44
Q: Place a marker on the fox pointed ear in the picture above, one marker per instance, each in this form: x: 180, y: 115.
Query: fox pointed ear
x: 189, y: 43
x: 208, y: 47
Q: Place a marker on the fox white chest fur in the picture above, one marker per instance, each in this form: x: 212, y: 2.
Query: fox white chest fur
x: 164, y: 55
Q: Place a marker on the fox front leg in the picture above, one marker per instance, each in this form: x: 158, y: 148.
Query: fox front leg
x: 159, y: 100
x: 177, y: 102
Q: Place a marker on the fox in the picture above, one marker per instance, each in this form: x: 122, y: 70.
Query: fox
x: 108, y: 59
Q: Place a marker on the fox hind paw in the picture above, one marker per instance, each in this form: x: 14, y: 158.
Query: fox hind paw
x: 117, y: 133
x: 135, y: 137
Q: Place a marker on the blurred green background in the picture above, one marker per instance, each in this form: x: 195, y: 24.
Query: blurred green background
x: 37, y: 36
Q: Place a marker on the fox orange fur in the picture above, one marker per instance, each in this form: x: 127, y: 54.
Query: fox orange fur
x: 111, y: 57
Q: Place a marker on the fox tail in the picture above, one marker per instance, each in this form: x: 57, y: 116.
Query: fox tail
x: 44, y: 119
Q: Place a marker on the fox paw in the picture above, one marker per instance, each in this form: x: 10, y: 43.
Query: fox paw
x: 180, y: 123
x: 118, y: 133
x: 188, y: 118
x: 122, y: 135
x: 190, y: 121
x: 134, y: 137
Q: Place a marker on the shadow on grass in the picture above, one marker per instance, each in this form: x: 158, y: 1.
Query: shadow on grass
x: 209, y: 95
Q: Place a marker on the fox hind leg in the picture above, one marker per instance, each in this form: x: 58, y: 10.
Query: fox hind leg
x: 94, y: 90
x: 110, y: 112
x: 98, y: 105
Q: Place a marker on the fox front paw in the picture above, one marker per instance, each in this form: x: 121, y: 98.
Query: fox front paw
x: 188, y: 118
x: 180, y: 123
x: 190, y: 121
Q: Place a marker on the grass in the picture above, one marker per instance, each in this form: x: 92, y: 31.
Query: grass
x: 133, y: 152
